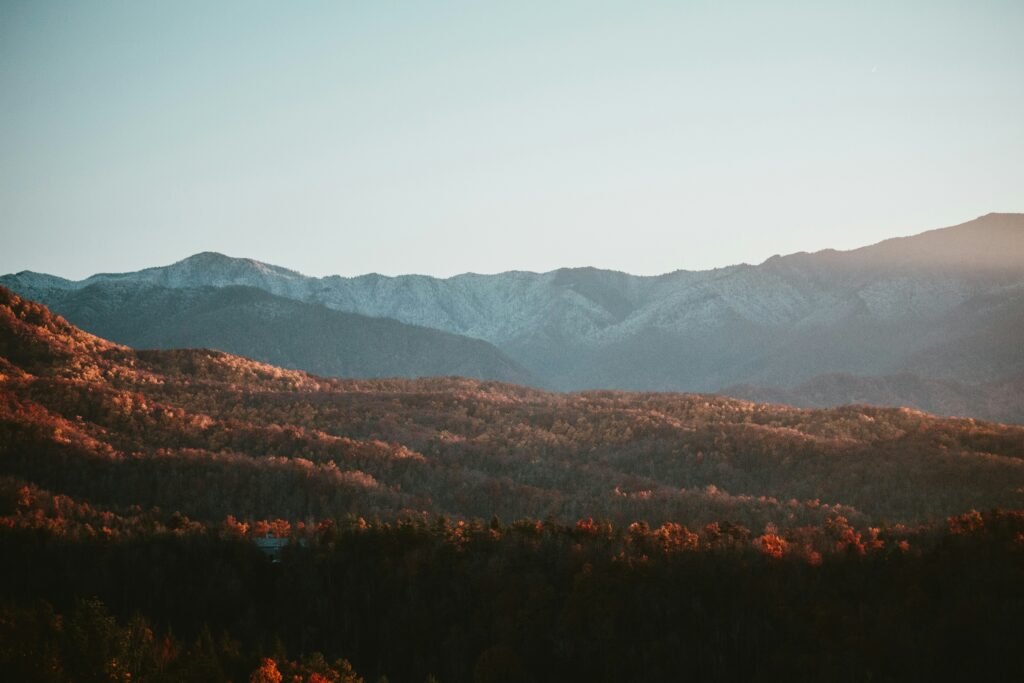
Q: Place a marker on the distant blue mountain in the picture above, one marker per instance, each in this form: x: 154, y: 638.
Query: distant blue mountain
x: 946, y: 304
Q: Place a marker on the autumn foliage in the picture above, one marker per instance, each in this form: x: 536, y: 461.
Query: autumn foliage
x: 190, y: 515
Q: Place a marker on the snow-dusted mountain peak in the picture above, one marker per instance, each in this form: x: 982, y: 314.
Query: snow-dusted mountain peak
x: 892, y: 306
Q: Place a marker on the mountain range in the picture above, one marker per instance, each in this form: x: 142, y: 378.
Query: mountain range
x: 292, y: 334
x: 933, y: 321
x: 212, y: 434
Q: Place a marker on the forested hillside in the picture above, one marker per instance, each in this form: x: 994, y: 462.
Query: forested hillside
x: 141, y: 427
x: 252, y: 322
x: 481, y: 531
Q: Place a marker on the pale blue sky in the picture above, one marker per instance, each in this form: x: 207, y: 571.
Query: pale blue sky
x: 441, y: 138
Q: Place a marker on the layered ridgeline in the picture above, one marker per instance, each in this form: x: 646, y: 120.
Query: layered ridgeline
x: 946, y: 305
x: 211, y: 435
x: 441, y: 529
x: 1001, y: 400
x: 288, y: 333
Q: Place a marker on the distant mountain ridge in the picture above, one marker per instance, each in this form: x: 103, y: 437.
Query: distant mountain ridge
x: 211, y: 434
x: 257, y: 324
x: 946, y: 304
x: 1001, y: 401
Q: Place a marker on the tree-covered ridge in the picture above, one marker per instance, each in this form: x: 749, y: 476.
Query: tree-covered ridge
x: 257, y: 324
x: 211, y: 434
x: 133, y: 594
x: 194, y: 516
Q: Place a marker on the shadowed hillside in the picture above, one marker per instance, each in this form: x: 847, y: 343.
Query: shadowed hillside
x: 129, y: 426
x: 1002, y: 400
x: 188, y: 515
x: 288, y: 333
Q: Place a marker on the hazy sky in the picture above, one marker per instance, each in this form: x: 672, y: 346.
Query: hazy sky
x: 440, y: 138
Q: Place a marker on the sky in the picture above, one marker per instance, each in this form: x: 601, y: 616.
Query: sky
x: 448, y: 137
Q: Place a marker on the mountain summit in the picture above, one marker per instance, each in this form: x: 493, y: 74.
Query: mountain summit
x: 946, y: 305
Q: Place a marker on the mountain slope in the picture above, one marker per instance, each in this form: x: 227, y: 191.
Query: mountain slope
x: 1002, y: 401
x: 683, y: 536
x: 259, y: 325
x: 946, y: 304
x: 212, y: 434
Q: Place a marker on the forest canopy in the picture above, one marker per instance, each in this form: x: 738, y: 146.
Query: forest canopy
x: 191, y: 515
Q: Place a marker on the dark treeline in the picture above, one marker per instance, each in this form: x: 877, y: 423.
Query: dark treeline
x: 530, y: 601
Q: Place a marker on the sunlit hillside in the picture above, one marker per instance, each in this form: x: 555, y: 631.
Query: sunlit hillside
x: 253, y: 517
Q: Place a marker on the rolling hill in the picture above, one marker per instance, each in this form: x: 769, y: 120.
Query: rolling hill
x: 101, y: 421
x: 150, y: 499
